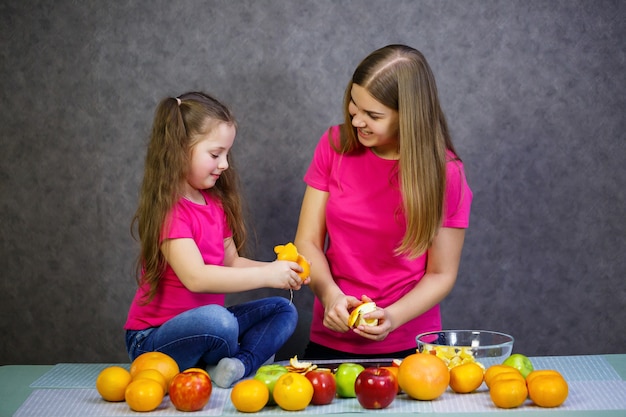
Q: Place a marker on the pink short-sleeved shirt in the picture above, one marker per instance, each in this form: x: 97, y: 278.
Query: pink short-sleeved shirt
x: 207, y: 226
x: 365, y: 224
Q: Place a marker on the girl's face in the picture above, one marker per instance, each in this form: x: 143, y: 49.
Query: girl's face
x: 376, y: 124
x: 208, y: 157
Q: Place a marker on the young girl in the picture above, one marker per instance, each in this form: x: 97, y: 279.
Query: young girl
x: 190, y: 226
x: 384, y: 212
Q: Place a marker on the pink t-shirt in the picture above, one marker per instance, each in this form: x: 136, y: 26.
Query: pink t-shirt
x: 365, y: 225
x: 207, y: 226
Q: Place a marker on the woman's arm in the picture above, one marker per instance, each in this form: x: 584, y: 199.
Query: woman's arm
x: 238, y: 274
x: 310, y: 238
x: 444, y: 257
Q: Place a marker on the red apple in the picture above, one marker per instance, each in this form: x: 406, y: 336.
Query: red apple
x: 324, y: 385
x: 190, y: 390
x: 375, y: 388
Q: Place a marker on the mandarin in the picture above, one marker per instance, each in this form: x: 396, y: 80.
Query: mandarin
x: 548, y: 390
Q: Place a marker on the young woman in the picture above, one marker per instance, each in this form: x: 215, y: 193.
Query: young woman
x: 191, y: 230
x: 384, y: 212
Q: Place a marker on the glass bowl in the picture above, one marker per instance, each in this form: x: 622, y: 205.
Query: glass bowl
x: 487, y: 347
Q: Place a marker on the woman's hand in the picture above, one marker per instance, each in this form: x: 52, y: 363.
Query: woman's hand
x: 378, y: 332
x: 284, y: 275
x: 336, y: 312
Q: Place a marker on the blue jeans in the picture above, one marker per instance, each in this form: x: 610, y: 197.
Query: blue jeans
x: 251, y: 332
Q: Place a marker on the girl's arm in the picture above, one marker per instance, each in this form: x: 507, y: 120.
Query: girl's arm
x: 310, y: 238
x: 240, y: 274
x: 444, y: 257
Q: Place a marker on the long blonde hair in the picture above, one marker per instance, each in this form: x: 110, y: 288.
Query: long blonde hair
x: 399, y: 77
x: 178, y: 123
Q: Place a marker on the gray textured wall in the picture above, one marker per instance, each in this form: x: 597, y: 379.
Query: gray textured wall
x: 535, y: 96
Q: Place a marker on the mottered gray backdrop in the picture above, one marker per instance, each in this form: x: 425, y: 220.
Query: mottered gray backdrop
x: 534, y: 91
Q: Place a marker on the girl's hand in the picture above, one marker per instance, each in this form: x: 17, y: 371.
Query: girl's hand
x: 284, y: 275
x: 378, y: 332
x: 336, y: 312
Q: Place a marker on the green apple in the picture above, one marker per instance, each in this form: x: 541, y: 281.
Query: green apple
x: 269, y: 374
x: 519, y: 362
x: 345, y: 376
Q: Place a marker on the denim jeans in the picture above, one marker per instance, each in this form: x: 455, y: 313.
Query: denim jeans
x: 251, y: 332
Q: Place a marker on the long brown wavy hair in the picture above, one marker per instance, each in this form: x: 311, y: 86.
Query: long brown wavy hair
x: 178, y: 125
x: 400, y: 78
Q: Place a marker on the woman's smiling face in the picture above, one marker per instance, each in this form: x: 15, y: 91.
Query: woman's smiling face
x: 376, y: 124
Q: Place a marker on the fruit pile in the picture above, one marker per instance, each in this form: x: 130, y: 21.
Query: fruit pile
x: 152, y: 375
x: 293, y: 387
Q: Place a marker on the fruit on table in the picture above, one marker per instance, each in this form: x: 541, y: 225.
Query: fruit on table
x: 375, y: 388
x: 508, y: 392
x: 190, y: 390
x: 547, y: 388
x: 324, y: 385
x: 395, y: 366
x: 249, y: 395
x: 289, y: 252
x: 521, y: 362
x: 268, y: 375
x: 423, y: 376
x: 356, y: 316
x: 144, y: 395
x: 155, y: 360
x: 293, y: 392
x: 154, y: 375
x: 111, y: 383
x: 497, y: 369
x: 346, y: 375
x: 466, y: 378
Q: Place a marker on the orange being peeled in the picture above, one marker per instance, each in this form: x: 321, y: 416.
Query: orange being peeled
x: 289, y: 252
x: 356, y: 316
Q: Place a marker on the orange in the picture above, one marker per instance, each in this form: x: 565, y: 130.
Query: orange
x: 466, y: 378
x: 508, y: 393
x: 306, y: 267
x: 540, y: 372
x: 153, y: 374
x: 548, y: 390
x: 506, y: 375
x: 112, y: 382
x: 293, y: 392
x: 356, y: 316
x: 493, y: 370
x: 423, y: 376
x: 250, y: 395
x: 155, y: 360
x: 144, y: 395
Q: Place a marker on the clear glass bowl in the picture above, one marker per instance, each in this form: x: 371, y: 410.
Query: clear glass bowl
x: 487, y: 347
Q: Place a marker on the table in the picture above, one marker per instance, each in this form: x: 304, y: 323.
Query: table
x: 15, y: 381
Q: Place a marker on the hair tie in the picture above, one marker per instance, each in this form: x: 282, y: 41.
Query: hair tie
x: 178, y: 100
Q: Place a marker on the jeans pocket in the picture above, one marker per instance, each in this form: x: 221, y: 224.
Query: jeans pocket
x: 134, y: 341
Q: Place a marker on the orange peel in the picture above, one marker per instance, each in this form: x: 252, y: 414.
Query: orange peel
x: 289, y: 252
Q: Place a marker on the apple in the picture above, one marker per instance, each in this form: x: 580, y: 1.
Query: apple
x: 375, y: 388
x: 520, y: 362
x: 324, y: 385
x: 269, y: 374
x: 190, y: 390
x: 345, y: 375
